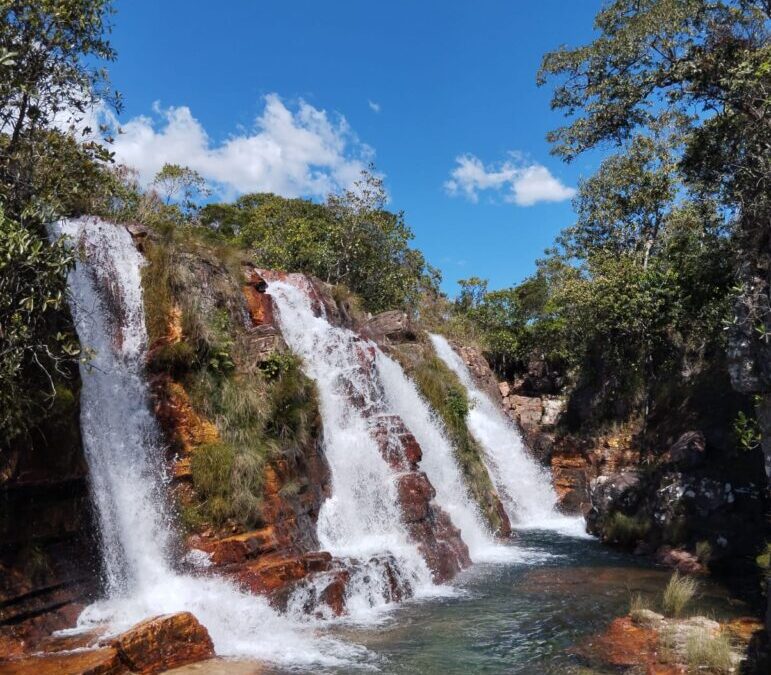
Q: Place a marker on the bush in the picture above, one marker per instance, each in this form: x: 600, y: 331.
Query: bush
x: 625, y: 530
x: 679, y: 592
x: 707, y: 652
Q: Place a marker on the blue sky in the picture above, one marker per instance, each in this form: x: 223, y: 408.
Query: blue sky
x: 294, y: 96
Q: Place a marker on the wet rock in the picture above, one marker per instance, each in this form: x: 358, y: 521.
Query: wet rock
x: 679, y: 559
x: 624, y: 644
x: 104, y: 661
x: 415, y: 492
x: 162, y: 643
x: 616, y: 492
x: 397, y: 444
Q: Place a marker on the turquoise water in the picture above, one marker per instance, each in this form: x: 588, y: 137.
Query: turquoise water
x: 526, y: 617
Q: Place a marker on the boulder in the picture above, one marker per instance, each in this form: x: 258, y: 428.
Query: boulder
x: 392, y: 325
x: 679, y: 559
x: 162, y: 643
x: 104, y: 661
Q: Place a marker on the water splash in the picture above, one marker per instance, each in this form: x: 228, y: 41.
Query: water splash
x: 362, y: 519
x: 439, y: 462
x: 124, y: 453
x: 524, y: 486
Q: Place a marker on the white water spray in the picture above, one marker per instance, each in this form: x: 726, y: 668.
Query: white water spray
x: 439, y: 462
x: 523, y: 485
x: 362, y: 519
x: 124, y: 454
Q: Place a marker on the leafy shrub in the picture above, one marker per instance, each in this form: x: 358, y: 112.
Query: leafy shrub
x: 703, y: 551
x: 680, y: 590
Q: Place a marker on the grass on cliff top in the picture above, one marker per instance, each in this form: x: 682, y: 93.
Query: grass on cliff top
x: 261, y: 413
x: 447, y: 396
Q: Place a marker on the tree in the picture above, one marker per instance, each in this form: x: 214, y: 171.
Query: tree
x: 50, y: 78
x: 707, y: 65
x: 182, y: 185
x: 32, y: 350
x: 351, y: 239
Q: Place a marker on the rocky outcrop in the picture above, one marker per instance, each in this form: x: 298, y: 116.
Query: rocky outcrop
x: 438, y: 539
x: 163, y: 643
x: 152, y: 646
x: 646, y: 641
x: 671, y: 511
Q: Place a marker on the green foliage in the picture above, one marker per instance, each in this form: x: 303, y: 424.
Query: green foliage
x: 351, y: 239
x: 56, y: 47
x: 212, y: 470
x: 181, y: 184
x: 700, y: 73
x: 703, y: 551
x: 747, y: 432
x: 625, y: 530
x: 33, y: 352
x: 680, y: 590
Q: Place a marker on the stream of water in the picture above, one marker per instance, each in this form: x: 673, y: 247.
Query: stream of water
x: 518, y: 610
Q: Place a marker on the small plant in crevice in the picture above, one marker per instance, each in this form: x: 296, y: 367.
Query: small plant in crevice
x: 747, y: 432
x: 703, y: 551
x: 679, y: 592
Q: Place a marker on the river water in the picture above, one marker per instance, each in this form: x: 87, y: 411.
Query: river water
x: 526, y: 617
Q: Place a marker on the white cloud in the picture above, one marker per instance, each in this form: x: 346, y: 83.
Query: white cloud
x: 523, y: 183
x: 300, y: 152
x: 373, y: 106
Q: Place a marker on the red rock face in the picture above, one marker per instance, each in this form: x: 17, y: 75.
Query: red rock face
x: 152, y: 646
x: 439, y: 541
x: 163, y: 643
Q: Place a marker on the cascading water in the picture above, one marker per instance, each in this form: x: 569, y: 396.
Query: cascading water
x: 524, y: 487
x: 125, y: 466
x: 439, y: 461
x: 362, y: 519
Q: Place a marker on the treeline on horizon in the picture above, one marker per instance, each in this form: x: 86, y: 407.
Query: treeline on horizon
x: 665, y: 265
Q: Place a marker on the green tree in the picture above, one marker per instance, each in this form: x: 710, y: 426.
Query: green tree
x: 51, y: 77
x: 351, y: 239
x: 33, y: 351
x: 182, y: 185
x: 707, y: 65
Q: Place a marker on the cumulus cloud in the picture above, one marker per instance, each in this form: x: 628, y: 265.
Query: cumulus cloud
x: 373, y: 106
x: 299, y: 151
x: 521, y: 182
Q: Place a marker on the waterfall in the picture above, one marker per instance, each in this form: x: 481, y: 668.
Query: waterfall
x: 523, y: 485
x: 124, y: 454
x: 439, y: 462
x: 362, y: 519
